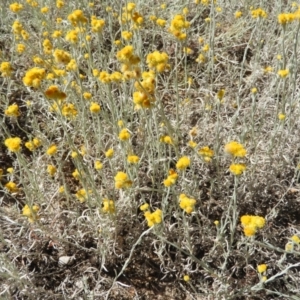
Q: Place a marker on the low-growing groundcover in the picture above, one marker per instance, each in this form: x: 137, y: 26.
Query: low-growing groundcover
x: 149, y: 150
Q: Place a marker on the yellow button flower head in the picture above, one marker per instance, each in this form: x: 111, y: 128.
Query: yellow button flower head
x: 286, y: 18
x: 252, y: 223
x: 206, y: 153
x: 283, y: 73
x: 295, y: 239
x: 52, y: 150
x: 186, y: 278
x: 171, y: 180
x: 34, y: 76
x: 122, y: 181
x: 5, y: 69
x: 95, y: 108
x: 166, y: 139
x: 77, y: 17
x: 81, y: 195
x: 262, y: 268
x: 16, y: 7
x: 97, y: 24
x: 186, y: 203
x: 144, y: 207
x: 238, y: 14
x: 61, y: 56
x: 109, y: 153
x: 126, y: 56
x: 11, y: 187
x: 12, y: 111
x: 53, y: 92
x: 160, y: 22
x: 31, y: 212
x: 98, y: 165
x: 258, y: 13
x: 237, y: 169
x: 133, y: 159
x: 153, y: 218
x: 183, y: 163
x: 13, y: 144
x: 126, y: 35
x: 69, y: 111
x: 124, y: 134
x: 108, y: 206
x: 158, y: 61
x: 236, y: 149
x: 51, y: 170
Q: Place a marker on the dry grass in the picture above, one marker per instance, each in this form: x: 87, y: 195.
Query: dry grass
x: 77, y: 247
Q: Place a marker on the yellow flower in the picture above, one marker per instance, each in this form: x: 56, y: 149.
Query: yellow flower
x: 52, y: 150
x: 12, y: 111
x: 81, y: 195
x: 183, y: 163
x: 44, y: 10
x: 236, y: 149
x: 20, y: 48
x: 34, y: 76
x: 95, y: 108
x: 124, y: 134
x: 87, y: 96
x: 51, y: 170
x: 61, y: 189
x: 31, y: 212
x: 283, y: 73
x: 144, y: 207
x: 186, y: 278
x: 160, y: 22
x: 158, y: 61
x: 126, y: 35
x: 238, y: 14
x: 109, y: 153
x: 217, y: 223
x: 76, y: 174
x: 295, y: 239
x: 171, y: 180
x: 258, y: 13
x: 11, y: 187
x: 122, y: 181
x: 53, y: 92
x: 13, y: 144
x: 108, y: 206
x: 186, y: 203
x: 206, y: 153
x: 153, y: 218
x: 16, y: 7
x: 5, y: 69
x: 281, y: 116
x: 254, y: 90
x: 192, y: 144
x: 262, y: 268
x: 286, y: 18
x: 98, y: 165
x: 166, y: 139
x: 10, y: 170
x: 237, y: 169
x: 133, y: 159
x: 252, y: 223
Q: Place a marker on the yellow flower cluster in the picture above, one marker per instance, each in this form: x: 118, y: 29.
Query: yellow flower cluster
x: 97, y: 24
x: 179, y: 26
x: 206, y: 153
x: 186, y: 203
x: 158, y: 61
x: 262, y: 268
x: 95, y: 108
x: 124, y: 134
x: 11, y: 187
x: 251, y: 224
x: 16, y: 7
x: 130, y: 15
x: 13, y: 144
x: 77, y: 18
x: 72, y: 36
x: 51, y: 170
x: 166, y: 139
x: 286, y: 18
x: 171, y: 179
x: 12, y: 111
x: 283, y: 73
x: 53, y: 92
x: 122, y: 181
x: 69, y: 110
x: 108, y: 206
x: 31, y: 212
x: 237, y: 169
x: 235, y: 149
x: 5, y: 69
x: 144, y: 96
x: 18, y: 30
x: 183, y: 163
x: 34, y: 76
x: 258, y: 13
x: 153, y: 218
x: 127, y: 56
x: 133, y: 159
x: 81, y: 195
x: 61, y: 56
x: 32, y: 145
